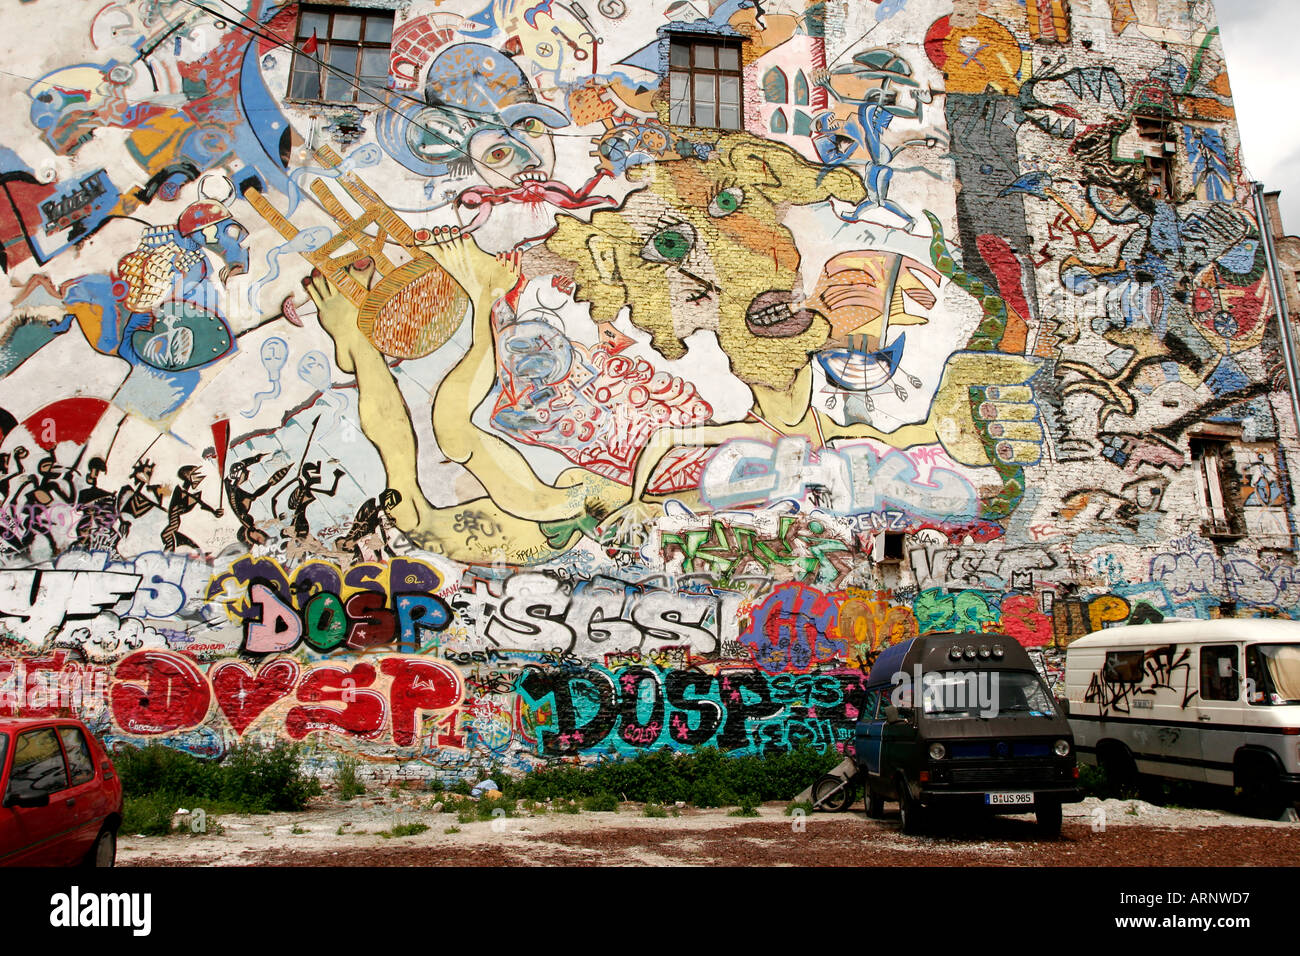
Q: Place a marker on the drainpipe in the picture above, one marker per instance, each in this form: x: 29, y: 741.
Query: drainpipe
x: 1284, y: 318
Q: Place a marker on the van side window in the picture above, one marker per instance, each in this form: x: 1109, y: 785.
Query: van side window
x: 1220, y: 673
x: 1123, y: 667
x: 1272, y: 674
x: 870, y: 705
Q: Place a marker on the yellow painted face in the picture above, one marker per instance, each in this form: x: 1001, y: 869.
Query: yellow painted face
x: 703, y: 247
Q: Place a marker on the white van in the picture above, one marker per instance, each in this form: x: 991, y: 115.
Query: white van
x: 1210, y: 701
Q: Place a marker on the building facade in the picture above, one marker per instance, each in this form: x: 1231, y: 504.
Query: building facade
x: 472, y: 384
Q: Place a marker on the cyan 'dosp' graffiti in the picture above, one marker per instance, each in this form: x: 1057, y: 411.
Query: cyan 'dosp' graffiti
x: 641, y: 708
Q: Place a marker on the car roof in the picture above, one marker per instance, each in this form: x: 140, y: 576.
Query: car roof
x: 893, y: 658
x: 14, y: 724
x: 1185, y: 631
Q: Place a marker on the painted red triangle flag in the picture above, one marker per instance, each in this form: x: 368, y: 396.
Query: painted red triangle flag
x: 310, y: 46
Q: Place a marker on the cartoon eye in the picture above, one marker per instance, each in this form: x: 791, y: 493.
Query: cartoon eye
x: 499, y: 155
x: 670, y: 244
x: 726, y: 202
x: 532, y: 126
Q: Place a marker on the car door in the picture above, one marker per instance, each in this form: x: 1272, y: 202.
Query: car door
x: 1220, y: 706
x: 85, y: 799
x: 38, y: 769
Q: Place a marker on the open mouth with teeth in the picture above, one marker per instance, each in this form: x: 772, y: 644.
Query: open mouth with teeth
x: 773, y: 314
x: 1058, y: 103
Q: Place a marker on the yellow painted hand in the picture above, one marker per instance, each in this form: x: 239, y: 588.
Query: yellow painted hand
x: 1007, y: 413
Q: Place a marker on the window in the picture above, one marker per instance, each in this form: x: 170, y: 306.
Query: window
x: 1159, y: 176
x: 870, y: 704
x: 38, y: 765
x: 80, y: 762
x: 1273, y: 674
x: 887, y: 548
x: 1150, y: 129
x: 704, y: 83
x: 1219, y: 674
x: 1123, y: 667
x: 1218, y: 484
x: 348, y: 60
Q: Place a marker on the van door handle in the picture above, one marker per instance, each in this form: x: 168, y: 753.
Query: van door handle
x: 70, y: 802
x: 1205, y: 717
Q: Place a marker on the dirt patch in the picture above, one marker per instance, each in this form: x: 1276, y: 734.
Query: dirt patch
x: 1096, y: 833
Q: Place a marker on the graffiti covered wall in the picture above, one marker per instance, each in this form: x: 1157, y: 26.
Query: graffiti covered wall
x: 466, y: 384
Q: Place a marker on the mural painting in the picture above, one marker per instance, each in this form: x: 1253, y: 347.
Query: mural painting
x: 476, y: 385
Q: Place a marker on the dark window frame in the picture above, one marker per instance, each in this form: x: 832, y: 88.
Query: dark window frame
x: 317, y: 63
x: 1210, y: 681
x: 692, y: 69
x: 1152, y: 127
x: 895, y: 546
x: 1158, y: 173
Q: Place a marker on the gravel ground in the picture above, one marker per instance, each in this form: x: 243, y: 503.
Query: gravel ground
x: 1096, y: 833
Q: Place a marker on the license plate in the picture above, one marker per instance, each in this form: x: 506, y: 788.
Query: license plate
x: 1009, y: 799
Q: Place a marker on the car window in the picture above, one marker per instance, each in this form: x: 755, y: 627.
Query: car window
x: 1272, y: 674
x: 869, y: 705
x: 4, y: 746
x: 80, y: 763
x: 38, y: 764
x: 1220, y: 674
x: 1124, y: 667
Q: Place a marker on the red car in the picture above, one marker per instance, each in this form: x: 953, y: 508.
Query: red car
x: 62, y: 799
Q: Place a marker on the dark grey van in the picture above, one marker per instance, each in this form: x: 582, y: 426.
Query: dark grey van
x: 963, y: 722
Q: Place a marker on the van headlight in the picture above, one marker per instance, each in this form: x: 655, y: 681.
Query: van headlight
x: 938, y: 751
x: 1062, y: 748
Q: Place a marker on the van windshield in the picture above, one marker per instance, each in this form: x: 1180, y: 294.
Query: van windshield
x: 953, y: 695
x: 1274, y: 670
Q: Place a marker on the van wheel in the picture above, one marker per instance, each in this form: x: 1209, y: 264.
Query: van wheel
x: 910, y: 812
x: 1047, y: 813
x: 104, y: 852
x: 1261, y: 791
x: 875, y: 803
x: 1120, y: 769
x: 836, y: 802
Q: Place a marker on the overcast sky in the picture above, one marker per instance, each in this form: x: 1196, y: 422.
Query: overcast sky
x: 1260, y: 41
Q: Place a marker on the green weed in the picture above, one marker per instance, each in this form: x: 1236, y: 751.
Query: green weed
x: 601, y: 802
x: 404, y: 829
x: 346, y: 779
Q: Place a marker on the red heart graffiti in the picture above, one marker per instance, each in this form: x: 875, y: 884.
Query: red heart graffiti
x: 243, y: 697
